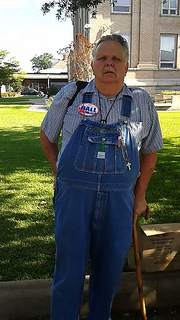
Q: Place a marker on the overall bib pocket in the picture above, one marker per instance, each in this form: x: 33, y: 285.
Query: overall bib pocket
x: 100, y: 152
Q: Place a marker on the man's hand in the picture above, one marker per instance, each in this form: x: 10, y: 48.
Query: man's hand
x: 54, y: 184
x: 51, y: 151
x: 139, y: 204
x: 147, y: 165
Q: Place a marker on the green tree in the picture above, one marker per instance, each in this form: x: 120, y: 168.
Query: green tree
x: 8, y: 67
x: 67, y: 8
x: 16, y: 81
x: 44, y: 61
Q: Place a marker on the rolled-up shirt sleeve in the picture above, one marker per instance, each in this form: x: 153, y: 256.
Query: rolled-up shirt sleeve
x: 54, y: 118
x: 152, y: 141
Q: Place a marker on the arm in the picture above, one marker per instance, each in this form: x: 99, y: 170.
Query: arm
x: 147, y: 165
x: 51, y: 151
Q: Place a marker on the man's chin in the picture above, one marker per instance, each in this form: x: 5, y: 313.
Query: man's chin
x: 109, y: 77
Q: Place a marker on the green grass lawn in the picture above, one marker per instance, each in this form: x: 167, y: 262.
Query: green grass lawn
x: 163, y: 193
x: 19, y: 100
x: 26, y: 212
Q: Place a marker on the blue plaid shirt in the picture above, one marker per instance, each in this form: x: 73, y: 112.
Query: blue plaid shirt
x: 144, y: 122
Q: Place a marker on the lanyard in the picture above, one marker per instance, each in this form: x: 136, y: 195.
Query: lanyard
x: 121, y: 138
x: 100, y: 109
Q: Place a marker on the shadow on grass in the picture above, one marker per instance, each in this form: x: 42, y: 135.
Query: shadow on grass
x: 27, y: 241
x: 27, y: 218
x: 22, y: 150
x: 163, y: 191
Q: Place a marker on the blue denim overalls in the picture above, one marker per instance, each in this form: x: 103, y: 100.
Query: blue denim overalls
x: 93, y: 205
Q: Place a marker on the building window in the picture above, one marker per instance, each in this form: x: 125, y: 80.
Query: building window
x: 121, y: 6
x: 168, y: 51
x: 169, y: 7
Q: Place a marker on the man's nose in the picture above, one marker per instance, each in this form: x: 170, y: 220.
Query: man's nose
x: 109, y: 62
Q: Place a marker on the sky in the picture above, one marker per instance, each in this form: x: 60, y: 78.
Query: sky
x: 26, y: 32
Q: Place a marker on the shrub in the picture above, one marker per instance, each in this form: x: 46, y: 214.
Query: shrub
x: 52, y: 91
x: 12, y: 94
x: 8, y: 94
x: 4, y: 94
x: 166, y: 92
x: 49, y: 101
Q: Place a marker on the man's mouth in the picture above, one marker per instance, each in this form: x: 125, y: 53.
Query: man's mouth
x: 109, y: 71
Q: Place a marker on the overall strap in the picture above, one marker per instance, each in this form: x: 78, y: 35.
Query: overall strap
x: 87, y: 97
x: 80, y: 85
x: 126, y: 106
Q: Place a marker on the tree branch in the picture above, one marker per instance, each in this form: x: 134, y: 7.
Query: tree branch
x: 67, y: 8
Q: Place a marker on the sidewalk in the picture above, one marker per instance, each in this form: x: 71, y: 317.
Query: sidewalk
x: 166, y: 313
x: 24, y: 300
x: 38, y: 105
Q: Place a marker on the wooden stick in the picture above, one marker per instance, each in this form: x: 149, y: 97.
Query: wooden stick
x: 138, y: 267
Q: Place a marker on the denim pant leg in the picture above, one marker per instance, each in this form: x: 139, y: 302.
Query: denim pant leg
x: 72, y: 218
x: 109, y: 250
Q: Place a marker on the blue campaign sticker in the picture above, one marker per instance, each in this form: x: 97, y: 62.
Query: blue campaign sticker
x: 88, y: 109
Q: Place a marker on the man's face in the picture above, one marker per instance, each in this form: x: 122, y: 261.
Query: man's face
x: 109, y: 64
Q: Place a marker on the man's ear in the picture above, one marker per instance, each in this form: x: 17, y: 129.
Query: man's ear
x: 92, y: 66
x: 126, y: 67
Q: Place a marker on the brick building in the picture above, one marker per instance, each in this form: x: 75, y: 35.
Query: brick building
x: 152, y: 29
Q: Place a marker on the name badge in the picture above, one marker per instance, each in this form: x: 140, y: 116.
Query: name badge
x: 101, y: 155
x: 88, y: 109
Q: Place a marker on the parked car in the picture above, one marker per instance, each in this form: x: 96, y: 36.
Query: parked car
x: 32, y: 91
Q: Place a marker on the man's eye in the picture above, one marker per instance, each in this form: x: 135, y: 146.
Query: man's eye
x: 102, y: 58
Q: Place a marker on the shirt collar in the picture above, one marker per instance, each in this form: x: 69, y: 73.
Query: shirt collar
x: 92, y: 88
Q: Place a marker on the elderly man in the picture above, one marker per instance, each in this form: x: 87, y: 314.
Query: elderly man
x: 100, y: 181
